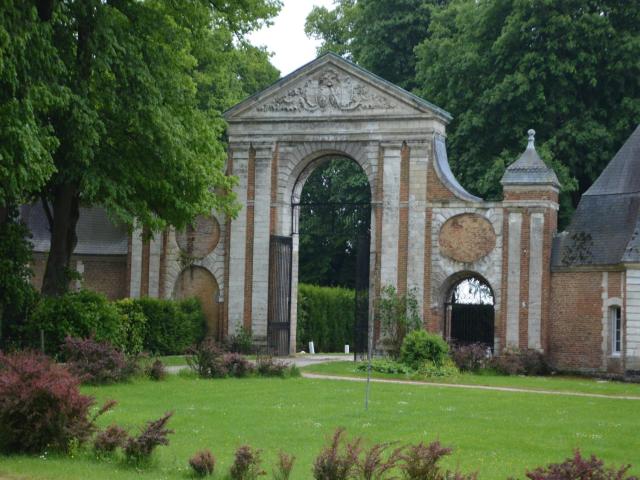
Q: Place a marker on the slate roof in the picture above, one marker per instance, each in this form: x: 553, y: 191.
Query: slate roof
x: 529, y: 168
x: 97, y: 235
x: 605, y: 228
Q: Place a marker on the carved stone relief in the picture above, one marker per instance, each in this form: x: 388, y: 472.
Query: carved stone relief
x: 328, y: 90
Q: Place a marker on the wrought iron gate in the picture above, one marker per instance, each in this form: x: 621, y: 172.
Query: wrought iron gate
x: 469, y: 323
x: 279, y: 306
x: 361, y: 318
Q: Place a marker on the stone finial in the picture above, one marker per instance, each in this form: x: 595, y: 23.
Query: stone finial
x: 529, y: 169
x: 532, y: 138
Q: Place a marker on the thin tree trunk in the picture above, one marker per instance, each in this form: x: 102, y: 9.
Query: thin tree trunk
x: 66, y: 212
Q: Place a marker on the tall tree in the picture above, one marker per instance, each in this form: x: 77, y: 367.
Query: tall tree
x: 28, y: 89
x: 378, y: 35
x: 334, y: 212
x: 568, y: 68
x: 136, y: 126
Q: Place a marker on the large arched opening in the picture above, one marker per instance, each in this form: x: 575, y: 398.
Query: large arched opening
x: 331, y: 225
x: 198, y: 282
x: 470, y: 312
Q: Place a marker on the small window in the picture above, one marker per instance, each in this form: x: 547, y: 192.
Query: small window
x: 616, y: 329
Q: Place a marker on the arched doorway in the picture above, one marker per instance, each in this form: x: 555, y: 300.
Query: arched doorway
x: 469, y: 312
x: 198, y: 282
x: 331, y: 217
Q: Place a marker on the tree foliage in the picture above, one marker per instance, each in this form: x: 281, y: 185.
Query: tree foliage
x: 28, y: 89
x: 568, y: 68
x: 334, y: 213
x: 380, y: 36
x: 118, y: 103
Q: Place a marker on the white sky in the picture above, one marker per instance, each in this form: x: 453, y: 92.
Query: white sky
x: 286, y: 38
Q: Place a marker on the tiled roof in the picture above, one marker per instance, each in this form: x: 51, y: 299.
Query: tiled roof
x: 605, y: 228
x: 97, y: 235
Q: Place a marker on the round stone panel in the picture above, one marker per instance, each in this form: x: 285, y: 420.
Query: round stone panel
x: 467, y: 237
x: 199, y: 239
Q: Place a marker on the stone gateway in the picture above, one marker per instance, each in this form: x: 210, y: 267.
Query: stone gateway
x: 574, y: 296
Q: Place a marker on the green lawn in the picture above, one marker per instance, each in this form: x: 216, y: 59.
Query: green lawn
x: 556, y: 383
x: 497, y: 433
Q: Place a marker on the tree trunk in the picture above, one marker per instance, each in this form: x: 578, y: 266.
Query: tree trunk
x: 66, y: 212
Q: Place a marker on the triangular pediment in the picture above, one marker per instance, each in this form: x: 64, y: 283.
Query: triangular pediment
x: 331, y: 86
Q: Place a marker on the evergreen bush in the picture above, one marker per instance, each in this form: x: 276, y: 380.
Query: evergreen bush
x: 326, y: 316
x: 134, y: 325
x: 172, y: 326
x: 420, y: 347
x: 80, y: 314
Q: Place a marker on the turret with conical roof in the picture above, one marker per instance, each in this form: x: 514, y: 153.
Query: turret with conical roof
x: 529, y: 169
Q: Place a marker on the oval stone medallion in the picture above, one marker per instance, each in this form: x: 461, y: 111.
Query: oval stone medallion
x: 467, y: 237
x: 200, y: 238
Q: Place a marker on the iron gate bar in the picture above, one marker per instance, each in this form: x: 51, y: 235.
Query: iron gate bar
x: 470, y: 323
x: 279, y: 304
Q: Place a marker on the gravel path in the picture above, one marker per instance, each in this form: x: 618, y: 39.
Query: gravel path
x: 472, y: 387
x: 300, y: 361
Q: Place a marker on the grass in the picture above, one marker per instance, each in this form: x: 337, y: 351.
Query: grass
x: 497, y: 433
x: 555, y: 383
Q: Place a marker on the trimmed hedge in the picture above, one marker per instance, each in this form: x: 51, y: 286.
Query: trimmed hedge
x: 134, y: 324
x: 80, y: 315
x: 172, y: 326
x: 163, y: 327
x: 326, y: 317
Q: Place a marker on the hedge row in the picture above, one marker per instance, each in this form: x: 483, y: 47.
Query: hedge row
x: 326, y: 317
x: 163, y: 327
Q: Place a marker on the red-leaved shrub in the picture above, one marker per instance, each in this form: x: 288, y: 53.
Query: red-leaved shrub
x: 109, y: 439
x: 237, y: 365
x: 374, y: 465
x: 471, y: 357
x: 41, y: 406
x: 268, y: 367
x: 246, y: 464
x: 420, y: 462
x: 97, y: 362
x: 579, y: 468
x: 202, y: 463
x: 138, y: 449
x: 513, y: 361
x: 332, y: 464
x: 284, y: 466
x: 206, y: 359
x: 157, y: 371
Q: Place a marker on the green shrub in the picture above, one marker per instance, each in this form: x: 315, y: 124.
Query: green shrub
x: 134, y: 325
x: 421, y: 346
x: 325, y: 316
x: 17, y: 295
x: 430, y: 369
x: 398, y: 315
x: 172, y: 326
x: 385, y: 366
x: 80, y: 314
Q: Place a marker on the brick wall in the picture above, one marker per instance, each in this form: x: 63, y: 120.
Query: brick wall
x: 436, y: 190
x: 549, y: 195
x: 575, y: 335
x: 102, y: 273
